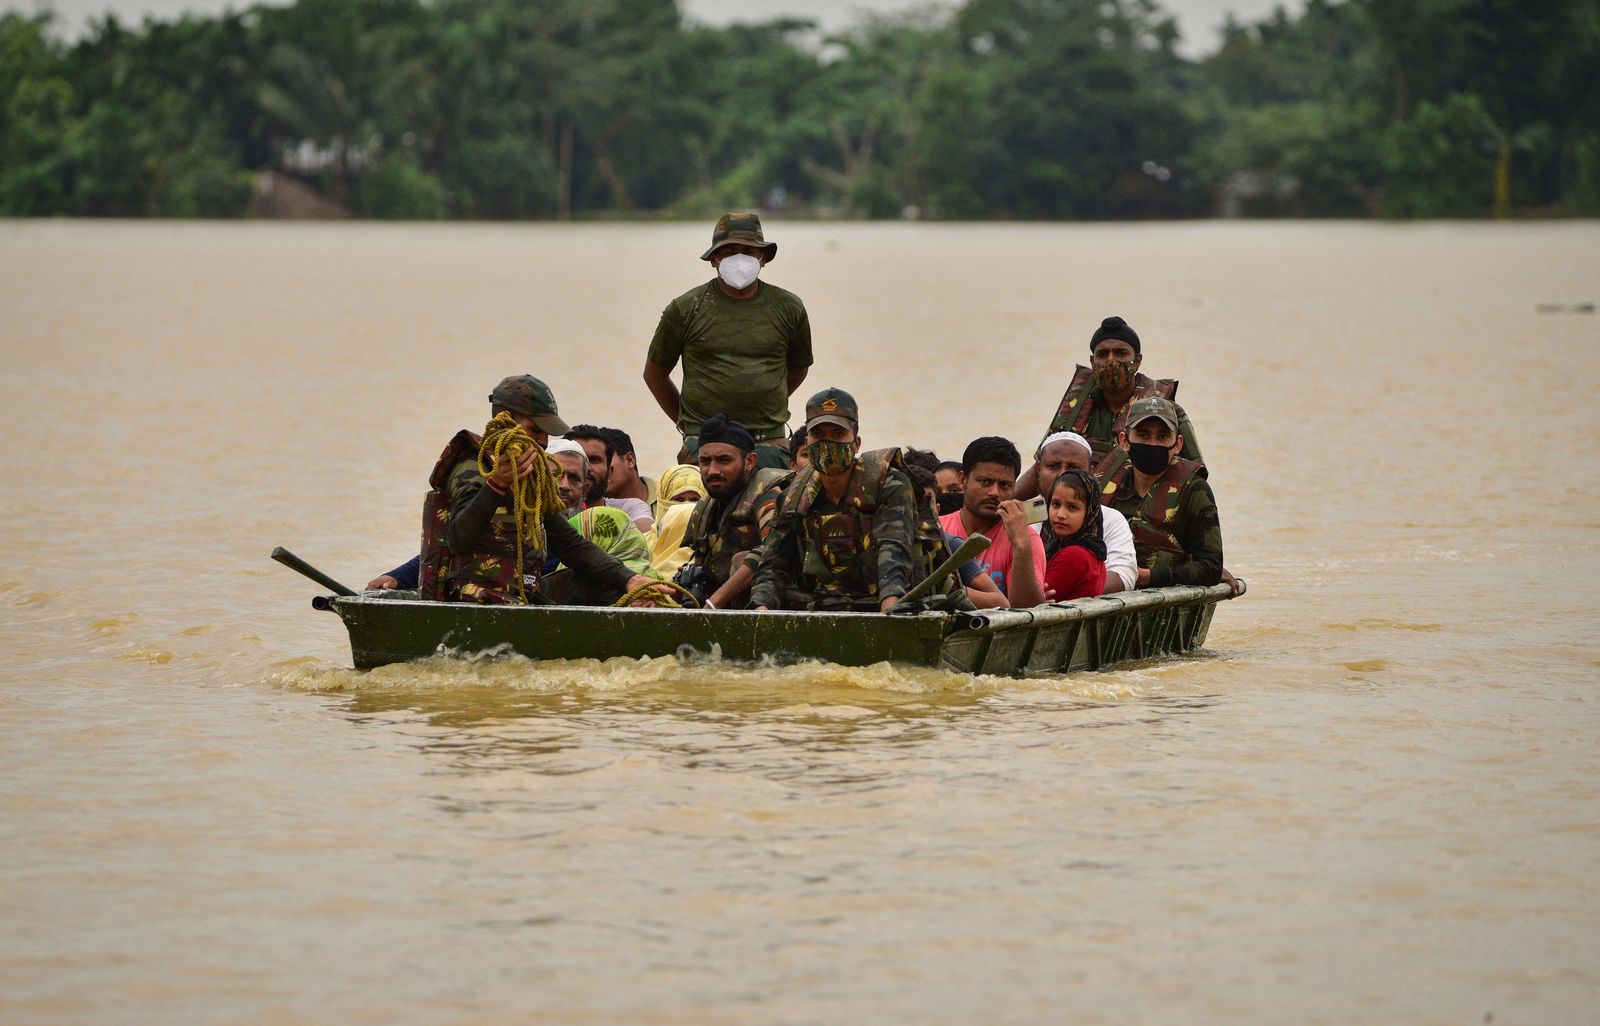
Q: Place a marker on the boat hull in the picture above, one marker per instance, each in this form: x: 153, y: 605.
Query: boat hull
x: 1080, y: 635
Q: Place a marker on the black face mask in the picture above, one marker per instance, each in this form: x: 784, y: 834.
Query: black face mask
x: 949, y: 502
x: 1149, y: 459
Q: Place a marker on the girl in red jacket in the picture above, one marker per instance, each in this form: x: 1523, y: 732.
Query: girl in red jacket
x: 1074, y: 551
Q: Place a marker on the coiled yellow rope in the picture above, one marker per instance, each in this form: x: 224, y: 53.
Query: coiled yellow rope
x: 656, y: 597
x: 531, y: 496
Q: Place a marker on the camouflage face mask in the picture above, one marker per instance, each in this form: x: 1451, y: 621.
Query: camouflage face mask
x: 1115, y: 376
x: 831, y: 457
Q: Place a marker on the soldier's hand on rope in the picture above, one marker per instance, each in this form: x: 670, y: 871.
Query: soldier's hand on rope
x: 500, y: 480
x: 650, y: 597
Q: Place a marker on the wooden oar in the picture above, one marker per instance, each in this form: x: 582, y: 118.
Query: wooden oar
x: 295, y: 563
x: 969, y: 549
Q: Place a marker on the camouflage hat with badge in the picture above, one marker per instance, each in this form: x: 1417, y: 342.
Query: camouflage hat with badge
x: 1156, y: 407
x: 832, y: 406
x: 739, y: 228
x: 527, y: 395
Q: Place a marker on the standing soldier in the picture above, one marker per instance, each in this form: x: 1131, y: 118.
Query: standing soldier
x: 745, y: 345
x: 1097, y: 400
x: 851, y: 532
x: 1168, y: 504
x: 731, y: 521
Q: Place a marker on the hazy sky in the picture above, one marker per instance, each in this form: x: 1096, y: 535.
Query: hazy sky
x: 1198, y: 18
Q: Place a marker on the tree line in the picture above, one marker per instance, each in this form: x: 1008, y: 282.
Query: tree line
x: 1044, y: 109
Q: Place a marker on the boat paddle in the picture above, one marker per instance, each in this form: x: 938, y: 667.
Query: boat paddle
x: 969, y: 549
x: 298, y: 565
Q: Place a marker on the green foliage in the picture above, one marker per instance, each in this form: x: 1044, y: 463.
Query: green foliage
x: 991, y: 108
x: 1440, y: 163
x: 397, y: 189
x: 1583, y: 192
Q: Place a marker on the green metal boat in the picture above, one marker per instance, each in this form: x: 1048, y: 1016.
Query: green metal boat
x: 1085, y: 634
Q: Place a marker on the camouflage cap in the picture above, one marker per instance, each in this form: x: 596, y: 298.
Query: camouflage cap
x: 739, y: 228
x: 527, y: 395
x: 1153, y: 406
x: 832, y: 406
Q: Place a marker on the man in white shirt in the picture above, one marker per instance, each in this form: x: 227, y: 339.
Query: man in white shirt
x: 1065, y: 450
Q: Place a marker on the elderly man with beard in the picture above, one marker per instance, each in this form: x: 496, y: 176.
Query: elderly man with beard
x: 731, y: 521
x: 605, y: 526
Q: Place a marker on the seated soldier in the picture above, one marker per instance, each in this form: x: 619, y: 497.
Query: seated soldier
x: 851, y: 533
x: 729, y: 524
x: 1015, y: 557
x: 1097, y: 400
x: 469, y: 528
x: 1168, y: 504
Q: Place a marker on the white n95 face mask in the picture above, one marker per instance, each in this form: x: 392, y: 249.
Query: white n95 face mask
x: 739, y: 271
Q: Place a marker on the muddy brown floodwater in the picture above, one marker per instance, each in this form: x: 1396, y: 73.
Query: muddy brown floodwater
x: 1373, y: 798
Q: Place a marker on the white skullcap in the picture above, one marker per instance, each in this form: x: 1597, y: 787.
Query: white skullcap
x: 1068, y: 436
x: 559, y: 446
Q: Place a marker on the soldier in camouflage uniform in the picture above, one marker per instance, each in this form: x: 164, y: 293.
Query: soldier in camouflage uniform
x: 1097, y: 400
x: 469, y: 531
x: 1168, y: 504
x: 732, y: 519
x: 745, y: 345
x: 851, y: 532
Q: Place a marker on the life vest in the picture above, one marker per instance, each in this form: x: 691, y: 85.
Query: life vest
x: 486, y: 575
x: 839, y: 561
x: 1078, y: 405
x: 1151, y: 523
x: 717, y: 539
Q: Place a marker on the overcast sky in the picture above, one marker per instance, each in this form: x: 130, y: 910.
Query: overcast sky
x: 1198, y: 18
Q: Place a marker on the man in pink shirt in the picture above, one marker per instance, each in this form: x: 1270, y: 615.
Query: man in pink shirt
x: 991, y: 466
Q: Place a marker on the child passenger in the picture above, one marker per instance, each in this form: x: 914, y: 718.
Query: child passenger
x: 1074, y: 551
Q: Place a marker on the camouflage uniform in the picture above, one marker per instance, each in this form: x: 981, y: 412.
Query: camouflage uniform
x: 1084, y: 409
x: 469, y: 530
x: 852, y: 554
x: 1176, y: 533
x: 718, y: 532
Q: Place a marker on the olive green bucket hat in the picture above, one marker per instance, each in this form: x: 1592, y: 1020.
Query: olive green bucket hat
x: 739, y: 228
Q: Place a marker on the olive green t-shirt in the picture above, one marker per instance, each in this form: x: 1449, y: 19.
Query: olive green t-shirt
x: 736, y: 355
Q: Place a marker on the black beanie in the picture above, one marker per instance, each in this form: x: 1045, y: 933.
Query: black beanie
x: 1117, y: 328
x: 724, y: 430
